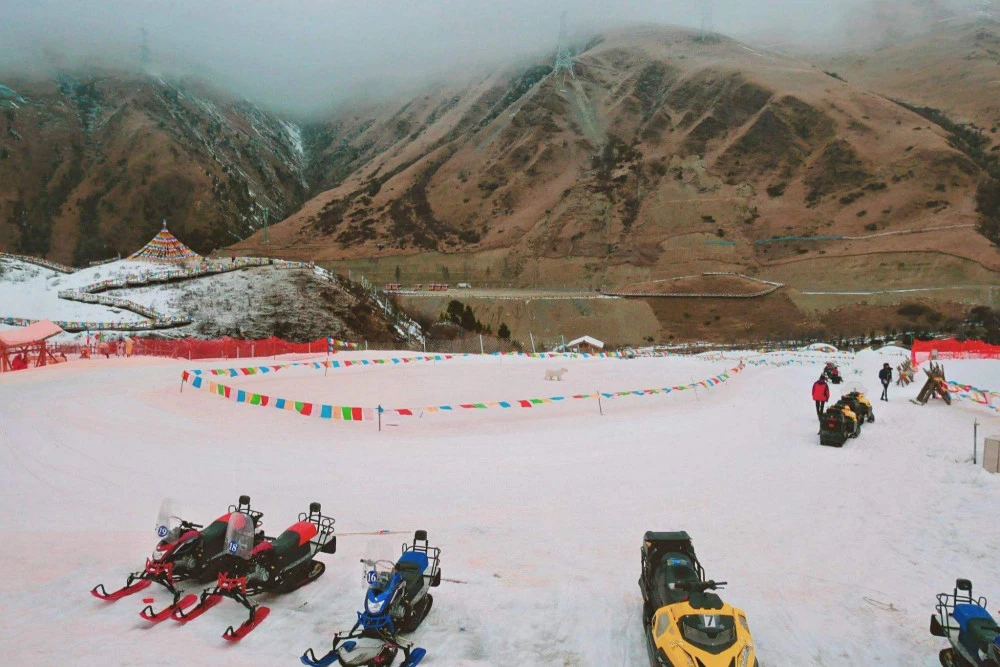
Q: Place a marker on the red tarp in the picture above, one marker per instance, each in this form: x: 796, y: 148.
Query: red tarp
x: 952, y: 349
x: 33, y: 333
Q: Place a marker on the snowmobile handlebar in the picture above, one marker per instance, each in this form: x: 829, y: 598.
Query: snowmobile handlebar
x: 700, y: 586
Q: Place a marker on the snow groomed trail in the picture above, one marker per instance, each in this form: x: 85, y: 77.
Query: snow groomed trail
x: 835, y: 554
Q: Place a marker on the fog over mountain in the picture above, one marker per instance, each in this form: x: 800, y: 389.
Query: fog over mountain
x: 302, y: 56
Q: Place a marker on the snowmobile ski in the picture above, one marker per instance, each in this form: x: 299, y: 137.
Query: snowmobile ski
x: 206, y: 604
x: 234, y: 635
x: 309, y: 658
x: 416, y: 655
x: 155, y: 617
x: 99, y: 592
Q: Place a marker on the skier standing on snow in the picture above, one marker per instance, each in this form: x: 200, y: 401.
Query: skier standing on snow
x: 885, y: 375
x: 821, y: 394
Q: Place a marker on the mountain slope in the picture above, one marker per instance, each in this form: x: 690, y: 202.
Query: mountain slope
x: 659, y: 145
x: 952, y: 68
x: 90, y: 163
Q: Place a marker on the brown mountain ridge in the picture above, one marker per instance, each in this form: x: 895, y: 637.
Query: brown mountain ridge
x: 89, y: 163
x: 660, y: 155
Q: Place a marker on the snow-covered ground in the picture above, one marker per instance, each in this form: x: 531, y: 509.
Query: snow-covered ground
x: 539, y: 512
x: 214, y: 295
x: 32, y: 292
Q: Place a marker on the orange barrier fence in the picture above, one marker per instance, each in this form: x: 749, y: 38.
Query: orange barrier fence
x: 924, y: 350
x: 192, y: 348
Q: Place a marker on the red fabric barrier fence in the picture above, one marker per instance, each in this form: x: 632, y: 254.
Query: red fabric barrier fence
x: 923, y: 350
x: 193, y: 348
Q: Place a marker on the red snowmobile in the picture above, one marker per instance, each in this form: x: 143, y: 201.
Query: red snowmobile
x: 185, y: 551
x: 832, y: 373
x: 250, y: 566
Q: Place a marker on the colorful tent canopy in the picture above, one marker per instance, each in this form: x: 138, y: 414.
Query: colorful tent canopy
x: 28, y: 344
x: 165, y: 248
x: 33, y: 333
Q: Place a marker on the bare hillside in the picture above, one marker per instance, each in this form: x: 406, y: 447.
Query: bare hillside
x: 661, y: 155
x: 90, y: 162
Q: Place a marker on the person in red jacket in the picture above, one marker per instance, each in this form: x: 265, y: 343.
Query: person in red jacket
x: 821, y: 394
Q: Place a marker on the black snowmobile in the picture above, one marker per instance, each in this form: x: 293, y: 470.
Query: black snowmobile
x: 838, y: 423
x: 250, y: 566
x: 186, y: 551
x: 397, y: 601
x: 964, y: 621
x: 832, y: 373
x: 684, y: 623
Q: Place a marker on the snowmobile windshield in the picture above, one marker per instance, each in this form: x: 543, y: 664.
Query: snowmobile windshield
x: 710, y: 632
x: 168, y: 520
x: 379, y: 575
x: 239, y: 535
x: 851, y: 387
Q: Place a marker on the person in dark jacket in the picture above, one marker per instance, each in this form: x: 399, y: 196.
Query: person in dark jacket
x: 821, y: 394
x: 885, y: 375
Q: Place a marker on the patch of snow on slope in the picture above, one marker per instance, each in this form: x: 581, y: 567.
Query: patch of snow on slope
x: 31, y: 291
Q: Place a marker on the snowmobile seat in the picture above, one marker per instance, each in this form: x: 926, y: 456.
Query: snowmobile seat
x: 978, y: 629
x: 295, y: 540
x: 411, y: 566
x: 215, y: 532
x: 981, y: 632
x: 417, y: 557
x: 674, y: 567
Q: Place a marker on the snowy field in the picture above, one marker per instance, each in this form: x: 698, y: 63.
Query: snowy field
x: 32, y: 292
x: 539, y: 512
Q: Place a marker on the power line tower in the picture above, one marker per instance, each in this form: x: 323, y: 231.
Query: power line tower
x: 144, y: 49
x: 267, y: 219
x: 707, y: 29
x: 984, y: 12
x: 564, y: 59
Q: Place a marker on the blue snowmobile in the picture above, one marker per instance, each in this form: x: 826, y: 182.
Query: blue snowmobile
x: 973, y: 634
x: 397, y: 601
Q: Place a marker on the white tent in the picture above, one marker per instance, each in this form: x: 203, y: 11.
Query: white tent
x: 585, y: 340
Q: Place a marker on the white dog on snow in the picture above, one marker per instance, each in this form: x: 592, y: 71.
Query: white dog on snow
x: 555, y: 374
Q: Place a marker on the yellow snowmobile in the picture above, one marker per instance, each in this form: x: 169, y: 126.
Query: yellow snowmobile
x: 685, y: 625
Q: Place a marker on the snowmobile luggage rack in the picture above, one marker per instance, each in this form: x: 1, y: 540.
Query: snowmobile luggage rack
x: 941, y: 622
x: 655, y: 544
x: 433, y: 554
x: 324, y: 526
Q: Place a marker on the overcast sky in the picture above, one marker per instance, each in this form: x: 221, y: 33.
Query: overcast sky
x: 306, y: 54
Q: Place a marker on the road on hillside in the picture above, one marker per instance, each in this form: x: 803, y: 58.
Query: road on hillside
x: 506, y: 293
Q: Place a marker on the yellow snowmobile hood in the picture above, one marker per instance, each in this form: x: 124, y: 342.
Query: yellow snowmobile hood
x: 674, y: 635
